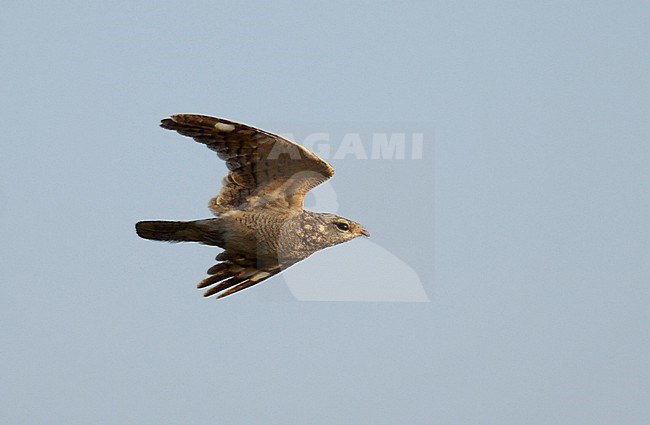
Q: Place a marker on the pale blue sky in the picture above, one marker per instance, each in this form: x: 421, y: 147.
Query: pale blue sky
x: 526, y: 221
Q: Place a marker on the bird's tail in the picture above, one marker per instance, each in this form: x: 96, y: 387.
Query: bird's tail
x: 207, y: 232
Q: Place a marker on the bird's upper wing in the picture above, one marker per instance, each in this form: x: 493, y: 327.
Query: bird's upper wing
x: 234, y: 273
x: 265, y: 169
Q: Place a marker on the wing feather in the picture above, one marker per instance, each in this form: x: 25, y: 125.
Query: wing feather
x: 265, y: 170
x: 235, y: 274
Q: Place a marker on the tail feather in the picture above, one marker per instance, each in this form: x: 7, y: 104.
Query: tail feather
x: 203, y: 231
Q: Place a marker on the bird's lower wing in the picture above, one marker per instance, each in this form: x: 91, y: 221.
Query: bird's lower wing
x: 230, y: 276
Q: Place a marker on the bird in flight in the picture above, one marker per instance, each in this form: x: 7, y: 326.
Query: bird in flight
x: 259, y: 219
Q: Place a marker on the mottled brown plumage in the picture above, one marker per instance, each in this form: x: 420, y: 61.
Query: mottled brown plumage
x: 260, y: 221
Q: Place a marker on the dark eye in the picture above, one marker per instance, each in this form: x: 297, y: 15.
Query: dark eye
x: 343, y: 226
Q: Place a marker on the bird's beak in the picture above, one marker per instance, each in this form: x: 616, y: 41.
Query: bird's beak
x: 364, y: 232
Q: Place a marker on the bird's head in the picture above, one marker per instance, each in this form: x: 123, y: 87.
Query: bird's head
x: 339, y: 229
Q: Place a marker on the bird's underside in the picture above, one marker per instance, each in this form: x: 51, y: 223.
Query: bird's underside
x: 267, y: 181
x: 237, y: 269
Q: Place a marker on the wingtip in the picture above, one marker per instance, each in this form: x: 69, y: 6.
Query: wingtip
x: 167, y: 123
x: 170, y: 121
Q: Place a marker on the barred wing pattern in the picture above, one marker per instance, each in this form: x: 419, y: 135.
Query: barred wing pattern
x: 265, y: 170
x: 235, y: 273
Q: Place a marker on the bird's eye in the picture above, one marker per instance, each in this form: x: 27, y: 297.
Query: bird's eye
x: 342, y: 226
